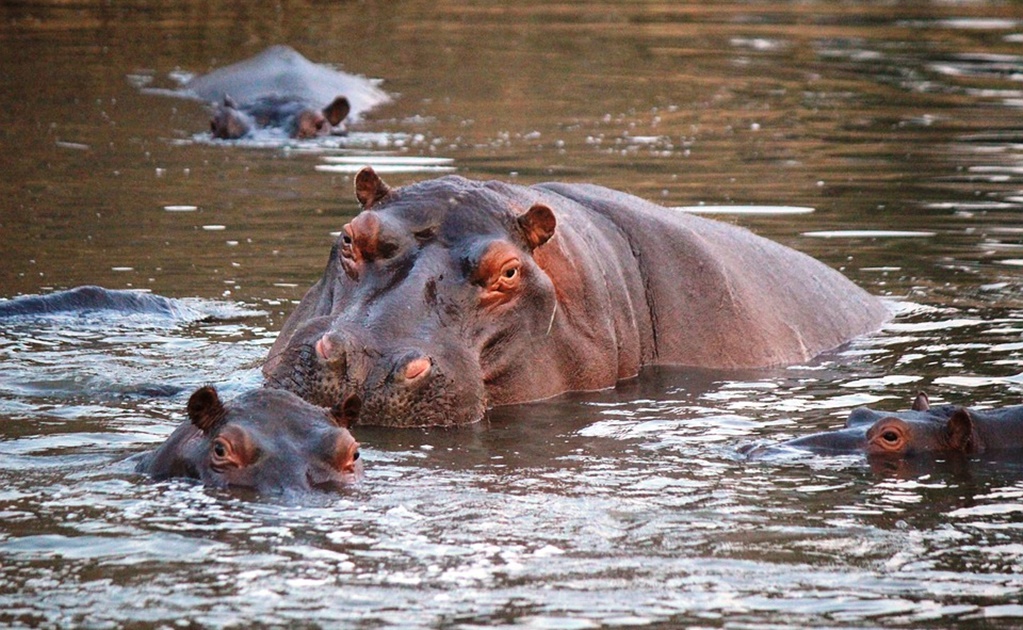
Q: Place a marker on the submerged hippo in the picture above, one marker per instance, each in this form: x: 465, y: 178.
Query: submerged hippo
x: 90, y: 298
x: 921, y: 429
x: 282, y: 89
x: 268, y: 440
x: 231, y: 121
x: 446, y: 297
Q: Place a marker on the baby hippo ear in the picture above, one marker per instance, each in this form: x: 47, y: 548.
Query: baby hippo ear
x: 346, y: 413
x: 337, y: 111
x: 369, y: 188
x: 921, y: 402
x: 959, y: 432
x: 205, y: 408
x: 537, y: 225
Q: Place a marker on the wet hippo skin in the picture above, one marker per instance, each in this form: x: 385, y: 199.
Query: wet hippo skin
x: 448, y: 296
x: 920, y: 429
x: 93, y: 298
x: 269, y: 440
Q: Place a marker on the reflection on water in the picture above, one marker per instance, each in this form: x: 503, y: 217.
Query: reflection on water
x: 898, y: 125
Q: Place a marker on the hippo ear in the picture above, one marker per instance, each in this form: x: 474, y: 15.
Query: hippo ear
x: 369, y: 188
x: 921, y: 402
x: 346, y: 412
x: 537, y: 225
x: 205, y: 408
x: 959, y: 432
x: 337, y: 111
x: 230, y: 102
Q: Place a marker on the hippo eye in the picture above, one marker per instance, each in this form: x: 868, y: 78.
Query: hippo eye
x: 355, y: 456
x: 508, y: 275
x: 219, y: 449
x: 890, y: 437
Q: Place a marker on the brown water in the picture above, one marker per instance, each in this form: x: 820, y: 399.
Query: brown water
x: 629, y: 507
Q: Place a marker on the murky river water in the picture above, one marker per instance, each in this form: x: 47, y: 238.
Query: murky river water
x: 900, y: 124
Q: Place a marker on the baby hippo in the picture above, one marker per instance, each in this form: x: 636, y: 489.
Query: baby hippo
x: 266, y: 439
x: 298, y: 119
x: 920, y: 429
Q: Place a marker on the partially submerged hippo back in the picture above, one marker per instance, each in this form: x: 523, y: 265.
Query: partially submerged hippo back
x: 920, y: 429
x: 448, y: 296
x: 280, y: 78
x: 90, y: 298
x: 268, y: 440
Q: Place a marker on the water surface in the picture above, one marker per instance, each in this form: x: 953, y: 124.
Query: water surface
x: 899, y: 125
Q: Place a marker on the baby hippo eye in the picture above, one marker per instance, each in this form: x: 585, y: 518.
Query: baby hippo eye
x: 219, y: 449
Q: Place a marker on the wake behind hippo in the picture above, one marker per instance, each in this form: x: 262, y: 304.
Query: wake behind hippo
x: 279, y: 88
x: 268, y: 440
x: 449, y: 296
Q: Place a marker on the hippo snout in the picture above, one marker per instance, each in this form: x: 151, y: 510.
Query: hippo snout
x: 847, y: 441
x: 412, y: 370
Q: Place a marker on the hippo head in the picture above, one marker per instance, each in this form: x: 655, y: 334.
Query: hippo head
x: 268, y: 440
x: 431, y: 302
x: 921, y: 429
x: 229, y: 122
x: 900, y: 437
x: 310, y: 123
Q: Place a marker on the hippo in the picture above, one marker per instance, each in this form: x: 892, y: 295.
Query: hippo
x: 268, y: 440
x: 447, y: 297
x: 231, y: 121
x: 921, y: 429
x: 90, y: 298
x: 282, y: 89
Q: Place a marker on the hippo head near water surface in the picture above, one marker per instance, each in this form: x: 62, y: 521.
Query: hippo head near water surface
x: 448, y: 296
x: 268, y: 440
x: 231, y: 121
x: 279, y: 88
x: 921, y: 429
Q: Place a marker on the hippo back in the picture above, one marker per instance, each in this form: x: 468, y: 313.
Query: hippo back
x: 720, y: 296
x: 280, y: 71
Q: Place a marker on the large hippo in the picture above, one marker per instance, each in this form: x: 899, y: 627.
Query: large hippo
x: 281, y: 88
x: 268, y: 440
x: 448, y: 296
x: 920, y: 429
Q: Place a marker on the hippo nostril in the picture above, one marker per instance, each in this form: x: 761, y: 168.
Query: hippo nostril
x: 346, y: 453
x: 417, y: 368
x: 324, y: 347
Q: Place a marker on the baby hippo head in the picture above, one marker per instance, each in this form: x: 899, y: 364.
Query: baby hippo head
x: 269, y: 440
